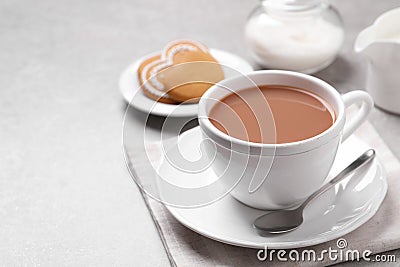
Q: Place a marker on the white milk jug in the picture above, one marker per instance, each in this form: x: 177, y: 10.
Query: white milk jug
x: 380, y: 43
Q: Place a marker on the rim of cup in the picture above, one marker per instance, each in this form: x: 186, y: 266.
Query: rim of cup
x: 338, y: 107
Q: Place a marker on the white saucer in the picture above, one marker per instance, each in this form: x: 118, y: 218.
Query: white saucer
x: 130, y: 87
x: 338, y: 212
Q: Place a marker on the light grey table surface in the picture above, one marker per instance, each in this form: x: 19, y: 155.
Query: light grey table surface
x: 66, y: 197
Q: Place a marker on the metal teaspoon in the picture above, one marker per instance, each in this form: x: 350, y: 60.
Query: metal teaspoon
x: 282, y: 221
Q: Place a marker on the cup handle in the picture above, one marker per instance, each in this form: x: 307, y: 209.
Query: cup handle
x: 357, y: 119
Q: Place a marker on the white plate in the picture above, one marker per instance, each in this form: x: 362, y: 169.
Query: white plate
x: 130, y: 87
x: 338, y: 212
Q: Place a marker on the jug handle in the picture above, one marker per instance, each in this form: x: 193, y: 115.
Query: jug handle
x: 355, y: 97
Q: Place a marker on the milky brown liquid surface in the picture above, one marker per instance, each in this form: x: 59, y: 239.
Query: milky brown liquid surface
x: 272, y: 114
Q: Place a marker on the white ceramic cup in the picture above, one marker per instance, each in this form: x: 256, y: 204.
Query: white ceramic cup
x: 290, y: 171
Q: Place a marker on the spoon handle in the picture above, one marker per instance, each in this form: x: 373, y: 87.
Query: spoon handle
x: 366, y: 157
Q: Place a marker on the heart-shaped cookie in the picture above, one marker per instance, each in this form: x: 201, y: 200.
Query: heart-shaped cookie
x: 185, y: 70
x: 144, y: 79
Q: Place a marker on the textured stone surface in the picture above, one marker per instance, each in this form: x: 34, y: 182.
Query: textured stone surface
x: 66, y: 197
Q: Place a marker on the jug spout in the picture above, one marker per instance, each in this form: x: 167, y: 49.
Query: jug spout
x: 364, y: 39
x: 385, y: 30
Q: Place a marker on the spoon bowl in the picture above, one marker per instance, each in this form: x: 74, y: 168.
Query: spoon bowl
x: 280, y: 221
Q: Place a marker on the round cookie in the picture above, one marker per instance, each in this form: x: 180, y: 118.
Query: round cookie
x: 144, y: 76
